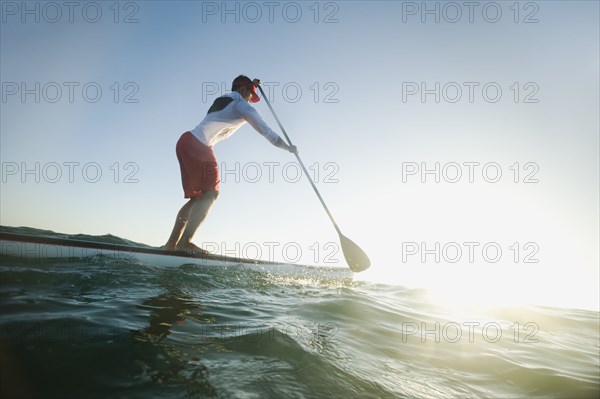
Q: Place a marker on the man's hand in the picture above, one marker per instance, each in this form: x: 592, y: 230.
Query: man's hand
x: 293, y: 149
x: 283, y: 145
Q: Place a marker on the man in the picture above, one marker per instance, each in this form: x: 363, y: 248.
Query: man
x: 199, y: 169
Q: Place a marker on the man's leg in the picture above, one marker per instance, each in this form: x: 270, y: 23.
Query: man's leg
x: 197, y: 214
x: 180, y: 222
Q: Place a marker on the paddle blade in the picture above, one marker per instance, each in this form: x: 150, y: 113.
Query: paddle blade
x: 356, y: 258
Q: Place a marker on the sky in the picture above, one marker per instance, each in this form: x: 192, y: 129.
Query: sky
x: 457, y: 143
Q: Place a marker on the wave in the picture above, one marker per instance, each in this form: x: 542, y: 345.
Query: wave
x: 126, y: 329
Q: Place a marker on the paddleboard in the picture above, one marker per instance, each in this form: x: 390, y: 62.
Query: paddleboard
x: 48, y: 247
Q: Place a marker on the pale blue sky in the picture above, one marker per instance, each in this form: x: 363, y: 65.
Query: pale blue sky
x: 358, y: 126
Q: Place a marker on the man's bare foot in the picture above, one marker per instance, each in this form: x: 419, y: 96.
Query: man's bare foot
x: 190, y: 247
x: 168, y: 247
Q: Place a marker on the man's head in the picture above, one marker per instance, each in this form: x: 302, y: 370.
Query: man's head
x: 243, y: 85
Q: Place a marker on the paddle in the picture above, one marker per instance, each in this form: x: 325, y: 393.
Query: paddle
x: 356, y: 258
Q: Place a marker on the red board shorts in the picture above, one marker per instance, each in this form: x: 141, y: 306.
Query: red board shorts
x: 199, y: 168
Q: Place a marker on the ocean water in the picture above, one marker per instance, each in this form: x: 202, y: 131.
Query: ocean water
x: 111, y: 328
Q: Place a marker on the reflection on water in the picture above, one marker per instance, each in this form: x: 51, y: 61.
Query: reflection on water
x: 168, y: 309
x: 166, y: 362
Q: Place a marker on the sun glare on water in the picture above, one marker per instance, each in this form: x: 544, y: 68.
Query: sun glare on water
x: 462, y: 290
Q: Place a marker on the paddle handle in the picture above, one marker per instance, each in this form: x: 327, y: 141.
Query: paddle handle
x: 312, y: 183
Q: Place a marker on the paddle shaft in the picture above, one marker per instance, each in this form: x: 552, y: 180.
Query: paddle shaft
x: 301, y: 163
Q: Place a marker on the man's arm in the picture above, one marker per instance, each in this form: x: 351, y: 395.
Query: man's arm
x: 253, y: 118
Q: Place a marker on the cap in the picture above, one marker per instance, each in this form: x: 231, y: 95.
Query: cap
x: 244, y: 81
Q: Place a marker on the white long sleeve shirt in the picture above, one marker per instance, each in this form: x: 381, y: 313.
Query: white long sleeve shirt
x: 227, y: 114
